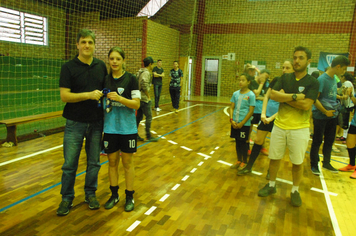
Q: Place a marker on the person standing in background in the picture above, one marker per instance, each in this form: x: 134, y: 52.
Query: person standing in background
x: 158, y: 74
x: 176, y: 75
x: 144, y: 83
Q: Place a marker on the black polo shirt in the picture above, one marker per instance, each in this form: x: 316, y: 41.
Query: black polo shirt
x: 80, y: 77
x: 308, y: 85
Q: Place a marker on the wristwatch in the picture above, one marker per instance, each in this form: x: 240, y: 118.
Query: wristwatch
x: 294, y: 96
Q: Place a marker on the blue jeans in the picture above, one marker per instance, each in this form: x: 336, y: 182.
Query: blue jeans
x: 145, y: 109
x: 74, y: 134
x: 175, y: 95
x: 323, y: 128
x: 157, y: 90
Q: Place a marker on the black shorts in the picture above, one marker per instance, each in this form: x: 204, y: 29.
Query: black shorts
x: 266, y: 127
x: 352, y: 129
x: 256, y: 118
x: 240, y: 134
x: 115, y: 142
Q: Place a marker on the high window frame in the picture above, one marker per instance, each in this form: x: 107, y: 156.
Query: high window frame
x: 22, y: 27
x: 152, y: 7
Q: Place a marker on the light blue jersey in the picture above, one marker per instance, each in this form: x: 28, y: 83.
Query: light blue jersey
x: 272, y: 107
x: 121, y: 120
x: 328, y: 92
x: 242, y: 106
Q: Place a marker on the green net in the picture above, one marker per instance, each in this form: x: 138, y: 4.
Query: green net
x: 211, y: 39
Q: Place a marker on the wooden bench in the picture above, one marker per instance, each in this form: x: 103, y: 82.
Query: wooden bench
x: 12, y: 123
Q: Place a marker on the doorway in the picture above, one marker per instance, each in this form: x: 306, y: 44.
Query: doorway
x: 211, y: 76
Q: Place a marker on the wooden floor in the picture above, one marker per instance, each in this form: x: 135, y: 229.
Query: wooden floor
x: 183, y: 185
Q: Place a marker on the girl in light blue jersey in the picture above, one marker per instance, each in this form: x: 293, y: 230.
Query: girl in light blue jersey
x: 120, y: 129
x: 241, y: 109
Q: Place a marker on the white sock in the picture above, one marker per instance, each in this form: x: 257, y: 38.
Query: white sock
x: 272, y: 183
x: 295, y: 188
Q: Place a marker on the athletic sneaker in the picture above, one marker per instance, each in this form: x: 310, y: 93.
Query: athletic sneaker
x: 330, y: 168
x: 150, y: 139
x: 158, y: 109
x: 264, y: 151
x: 353, y: 176
x: 93, y: 202
x: 315, y: 170
x: 112, y: 202
x: 295, y: 199
x: 242, y: 165
x: 267, y: 190
x: 348, y: 168
x: 64, y: 207
x: 130, y: 203
x: 236, y: 165
x: 244, y: 171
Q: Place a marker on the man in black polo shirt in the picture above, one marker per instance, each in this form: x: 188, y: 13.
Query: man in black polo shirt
x: 296, y: 93
x: 158, y: 74
x: 81, y: 82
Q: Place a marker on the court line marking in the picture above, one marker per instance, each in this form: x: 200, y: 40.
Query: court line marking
x: 55, y: 185
x: 164, y: 197
x: 150, y: 210
x: 185, y: 178
x: 133, y: 226
x: 188, y: 149
x: 172, y: 112
x: 204, y: 155
x: 321, y: 191
x: 333, y: 218
x: 30, y: 155
x: 175, y: 187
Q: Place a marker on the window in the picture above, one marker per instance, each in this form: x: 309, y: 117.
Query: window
x: 21, y: 27
x: 152, y: 7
